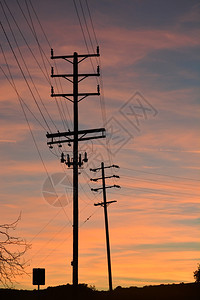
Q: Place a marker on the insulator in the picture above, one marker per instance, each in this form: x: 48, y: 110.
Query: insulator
x: 51, y: 53
x: 115, y: 166
x: 60, y: 145
x: 117, y: 186
x: 97, y: 49
x: 52, y: 90
x: 62, y: 160
x: 93, y: 170
x: 68, y: 161
x: 85, y: 157
x: 52, y: 71
x: 98, y: 89
x: 50, y: 147
x: 98, y: 70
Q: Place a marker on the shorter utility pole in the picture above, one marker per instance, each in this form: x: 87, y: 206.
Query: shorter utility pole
x: 104, y: 204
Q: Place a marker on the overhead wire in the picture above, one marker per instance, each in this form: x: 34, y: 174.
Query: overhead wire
x: 157, y: 191
x: 83, y: 33
x: 81, y: 26
x: 160, y: 174
x: 40, y: 24
x: 157, y: 182
x: 25, y: 115
x: 69, y: 220
x: 55, y: 248
x: 50, y: 46
x: 68, y: 236
x: 51, y: 239
x: 27, y: 121
x: 55, y: 64
x: 42, y: 54
x: 21, y: 99
x: 62, y: 228
x: 32, y: 29
x: 87, y: 48
x: 32, y: 53
x: 90, y: 39
x: 102, y: 102
x: 37, y: 41
x: 155, y: 197
x: 45, y: 226
x: 21, y: 70
x: 102, y: 96
x: 90, y: 16
x: 31, y: 131
x: 23, y: 36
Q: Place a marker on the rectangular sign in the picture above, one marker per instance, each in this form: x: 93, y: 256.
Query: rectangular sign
x: 38, y: 276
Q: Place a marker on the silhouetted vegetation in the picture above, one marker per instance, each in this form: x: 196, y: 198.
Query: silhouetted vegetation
x: 12, y: 249
x: 161, y: 292
x: 197, y: 274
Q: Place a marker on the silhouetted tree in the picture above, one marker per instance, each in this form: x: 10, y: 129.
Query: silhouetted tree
x: 11, y: 251
x: 197, y: 274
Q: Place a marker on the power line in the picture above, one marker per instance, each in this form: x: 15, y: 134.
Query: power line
x: 32, y: 53
x: 67, y: 238
x: 40, y: 24
x: 32, y: 28
x: 154, y: 181
x: 86, y: 26
x: 25, y: 115
x: 33, y: 33
x: 61, y: 110
x: 51, y: 239
x: 69, y: 235
x: 166, y: 175
x: 11, y: 82
x: 83, y: 33
x: 19, y: 65
x: 81, y: 26
x: 102, y: 99
x: 42, y: 229
x: 91, y: 22
x: 172, y: 197
x: 24, y: 103
x: 26, y: 118
x: 23, y: 74
x: 55, y: 248
x: 41, y: 53
x: 37, y: 40
x: 48, y: 42
x: 33, y: 57
x: 160, y: 192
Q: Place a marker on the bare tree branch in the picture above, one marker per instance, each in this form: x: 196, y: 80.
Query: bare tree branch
x: 12, y: 250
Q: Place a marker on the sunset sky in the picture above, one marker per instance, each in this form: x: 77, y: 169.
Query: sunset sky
x: 150, y: 106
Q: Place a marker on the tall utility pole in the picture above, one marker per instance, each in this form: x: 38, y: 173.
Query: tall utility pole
x: 74, y: 137
x: 105, y: 203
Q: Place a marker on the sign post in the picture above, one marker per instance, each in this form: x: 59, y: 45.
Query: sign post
x: 38, y: 277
